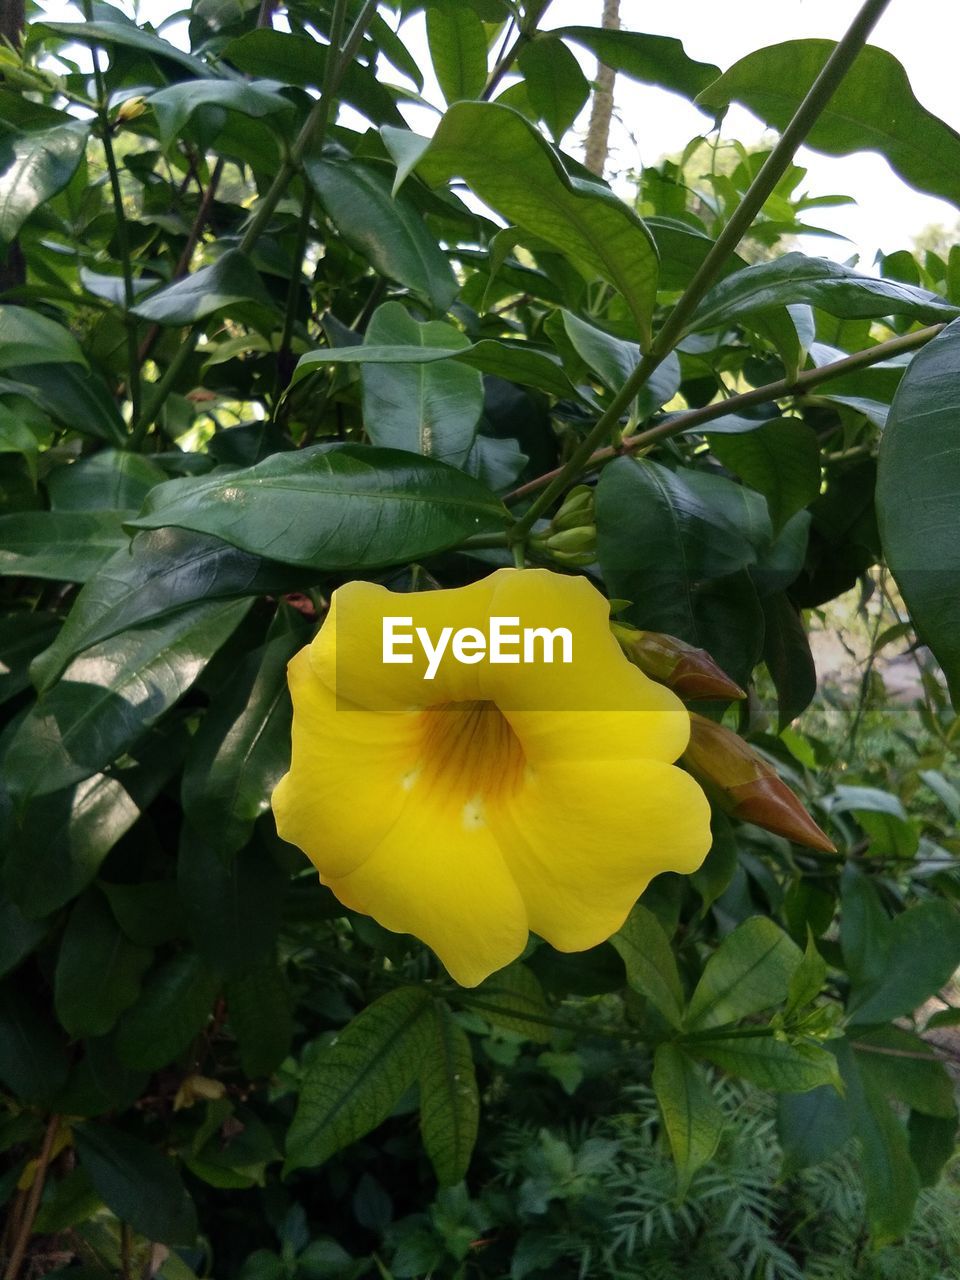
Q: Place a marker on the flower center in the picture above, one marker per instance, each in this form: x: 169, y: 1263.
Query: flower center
x: 469, y: 753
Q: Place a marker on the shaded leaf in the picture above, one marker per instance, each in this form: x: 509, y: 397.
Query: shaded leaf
x: 693, y: 1120
x: 64, y: 546
x: 449, y: 1101
x: 98, y: 970
x: 750, y: 971
x: 138, y: 1183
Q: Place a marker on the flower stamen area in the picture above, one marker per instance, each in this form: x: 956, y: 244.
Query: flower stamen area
x: 468, y: 755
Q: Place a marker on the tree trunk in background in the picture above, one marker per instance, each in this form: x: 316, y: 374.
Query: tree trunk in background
x: 13, y: 271
x: 598, y: 133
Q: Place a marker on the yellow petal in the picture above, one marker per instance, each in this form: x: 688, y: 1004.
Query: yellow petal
x: 583, y: 840
x: 345, y: 788
x: 440, y: 875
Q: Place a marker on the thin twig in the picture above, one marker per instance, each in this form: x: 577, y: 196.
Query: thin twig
x: 33, y: 1200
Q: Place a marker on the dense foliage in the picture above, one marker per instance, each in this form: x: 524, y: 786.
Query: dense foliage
x: 258, y: 338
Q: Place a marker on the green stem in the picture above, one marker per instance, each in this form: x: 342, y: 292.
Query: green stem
x: 313, y: 131
x: 776, y: 164
x: 528, y: 29
x: 123, y: 236
x: 680, y: 422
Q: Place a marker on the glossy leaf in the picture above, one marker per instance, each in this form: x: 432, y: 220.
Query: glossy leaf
x: 873, y: 109
x: 386, y: 229
x: 352, y: 1085
x: 780, y: 459
x: 174, y: 105
x: 28, y: 338
x: 98, y: 970
x: 112, y: 693
x: 64, y: 546
x: 512, y: 168
x: 918, y: 497
x: 110, y: 480
x: 339, y: 507
x: 449, y: 1101
x: 34, y: 167
x: 230, y: 281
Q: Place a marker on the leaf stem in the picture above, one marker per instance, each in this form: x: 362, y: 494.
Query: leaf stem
x: 776, y: 164
x: 680, y: 422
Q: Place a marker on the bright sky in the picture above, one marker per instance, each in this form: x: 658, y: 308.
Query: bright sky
x: 651, y: 123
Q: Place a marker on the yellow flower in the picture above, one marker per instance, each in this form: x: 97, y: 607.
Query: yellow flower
x: 497, y: 797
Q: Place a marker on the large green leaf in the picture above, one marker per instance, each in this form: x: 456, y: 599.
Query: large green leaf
x: 614, y: 360
x: 918, y: 497
x: 833, y: 288
x: 33, y: 168
x: 512, y: 168
x: 430, y: 408
x: 873, y: 109
x: 242, y: 747
x: 161, y: 571
x: 458, y: 49
x: 904, y: 1066
x: 64, y: 546
x: 229, y: 282
x: 750, y: 971
x: 648, y: 958
x: 771, y: 1063
x: 98, y: 970
x: 120, y: 32
x: 659, y: 60
x: 110, y: 479
x: 920, y: 951
x: 555, y: 85
x: 387, y: 229
x: 232, y: 905
x: 138, y: 1183
x: 449, y: 1102
x: 780, y: 459
x: 512, y: 998
x: 174, y: 1006
x: 693, y: 1120
x: 332, y: 507
x: 111, y: 693
x: 174, y: 105
x: 352, y: 1085
x: 74, y: 396
x: 27, y: 337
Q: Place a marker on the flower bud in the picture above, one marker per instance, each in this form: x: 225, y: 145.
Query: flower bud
x: 197, y: 1088
x: 688, y: 671
x: 575, y: 559
x: 576, y: 510
x: 749, y: 788
x: 580, y: 539
x: 131, y: 109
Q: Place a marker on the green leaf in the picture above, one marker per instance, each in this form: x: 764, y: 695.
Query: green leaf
x: 921, y: 951
x: 811, y: 1126
x: 932, y: 1142
x: 432, y: 409
x: 56, y: 846
x: 98, y: 970
x: 334, y: 507
x: 673, y: 544
x: 120, y: 32
x: 449, y: 1101
x: 111, y: 480
x: 63, y: 546
x: 458, y: 49
x: 22, y: 636
x: 513, y: 361
x: 230, y: 281
x: 693, y: 1120
x: 18, y: 935
x: 614, y: 360
x: 712, y: 878
x: 888, y: 1173
x: 27, y: 338
x: 780, y: 459
x: 892, y: 1059
x: 260, y: 1010
x: 242, y: 747
x: 786, y: 651
x: 833, y: 288
x: 232, y: 905
x: 659, y: 60
x: 651, y: 968
x: 174, y: 105
x: 772, y: 1063
x: 883, y: 818
x: 34, y: 167
x: 72, y: 395
x: 149, y: 913
x: 750, y: 971
x: 808, y: 978
x: 138, y: 1183
x: 513, y: 999
x: 388, y: 230
x: 174, y: 1006
x: 34, y: 1059
x: 112, y: 693
x: 873, y: 109
x: 512, y: 168
x: 352, y: 1085
x: 557, y: 88
x: 918, y: 497
x: 159, y: 573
